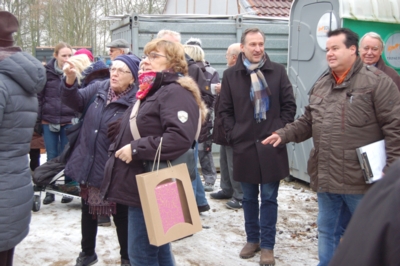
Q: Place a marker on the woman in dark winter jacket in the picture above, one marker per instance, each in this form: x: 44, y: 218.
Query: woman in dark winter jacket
x: 55, y: 116
x: 169, y: 109
x: 21, y: 77
x: 107, y: 101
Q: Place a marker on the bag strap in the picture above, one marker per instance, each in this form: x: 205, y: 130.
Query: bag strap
x: 132, y: 121
x: 196, y: 137
x: 135, y: 130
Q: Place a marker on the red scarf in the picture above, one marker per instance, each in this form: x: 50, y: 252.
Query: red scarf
x: 146, y: 81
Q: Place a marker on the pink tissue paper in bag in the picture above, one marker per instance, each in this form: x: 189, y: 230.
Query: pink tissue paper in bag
x: 169, y: 205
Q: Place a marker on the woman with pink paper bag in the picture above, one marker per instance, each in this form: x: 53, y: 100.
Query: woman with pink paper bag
x: 168, y: 108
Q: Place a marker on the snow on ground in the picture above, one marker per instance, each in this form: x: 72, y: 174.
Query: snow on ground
x: 55, y: 235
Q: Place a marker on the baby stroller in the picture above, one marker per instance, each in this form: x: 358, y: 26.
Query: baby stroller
x: 47, y: 178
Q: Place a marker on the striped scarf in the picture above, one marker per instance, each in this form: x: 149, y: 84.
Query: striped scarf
x: 259, y: 91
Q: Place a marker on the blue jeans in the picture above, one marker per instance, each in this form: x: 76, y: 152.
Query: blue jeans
x: 139, y: 249
x: 260, y: 221
x: 332, y: 207
x: 197, y: 185
x: 55, y: 143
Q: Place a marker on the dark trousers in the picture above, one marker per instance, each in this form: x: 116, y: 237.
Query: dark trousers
x: 89, y: 230
x: 34, y: 155
x: 6, y: 257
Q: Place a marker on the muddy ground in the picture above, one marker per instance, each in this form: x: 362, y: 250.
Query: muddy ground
x: 54, y: 238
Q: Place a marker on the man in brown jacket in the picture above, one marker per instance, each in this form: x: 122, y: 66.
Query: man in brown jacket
x: 371, y: 49
x: 256, y: 99
x: 351, y: 105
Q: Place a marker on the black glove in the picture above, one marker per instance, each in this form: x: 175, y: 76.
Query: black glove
x: 207, y: 145
x: 113, y: 129
x: 38, y: 129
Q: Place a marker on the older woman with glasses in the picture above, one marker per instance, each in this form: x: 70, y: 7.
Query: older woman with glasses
x: 105, y: 101
x: 169, y: 109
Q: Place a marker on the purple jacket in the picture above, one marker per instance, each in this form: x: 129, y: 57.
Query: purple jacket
x: 51, y: 109
x: 86, y: 164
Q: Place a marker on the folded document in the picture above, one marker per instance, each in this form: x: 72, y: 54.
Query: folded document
x: 372, y: 158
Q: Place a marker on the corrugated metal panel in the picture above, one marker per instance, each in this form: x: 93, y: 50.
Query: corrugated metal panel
x: 374, y: 10
x: 215, y: 32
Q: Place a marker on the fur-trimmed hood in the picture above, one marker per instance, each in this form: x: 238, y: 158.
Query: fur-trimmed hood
x: 189, y: 84
x: 164, y: 78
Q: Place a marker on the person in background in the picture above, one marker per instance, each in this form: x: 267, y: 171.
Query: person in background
x: 351, y: 105
x: 197, y: 75
x: 37, y: 143
x: 97, y: 71
x: 54, y: 116
x: 371, y: 49
x: 170, y: 109
x: 107, y: 101
x: 256, y: 99
x: 230, y: 189
x: 85, y: 52
x: 372, y: 236
x: 18, y: 112
x: 118, y: 47
x: 205, y: 142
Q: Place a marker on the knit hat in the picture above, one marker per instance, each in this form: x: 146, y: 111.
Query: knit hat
x: 132, y: 62
x: 86, y: 52
x: 8, y: 25
x: 193, y: 41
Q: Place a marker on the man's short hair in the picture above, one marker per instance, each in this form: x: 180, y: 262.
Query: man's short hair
x: 351, y: 37
x: 375, y: 36
x: 164, y: 32
x: 250, y: 30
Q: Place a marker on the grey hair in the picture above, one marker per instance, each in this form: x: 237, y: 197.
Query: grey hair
x: 235, y: 48
x: 375, y: 36
x: 125, y: 50
x: 162, y: 33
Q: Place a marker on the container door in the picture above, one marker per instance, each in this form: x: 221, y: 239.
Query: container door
x: 309, y: 23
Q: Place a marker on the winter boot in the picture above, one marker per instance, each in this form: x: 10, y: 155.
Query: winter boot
x: 249, y: 250
x: 267, y: 257
x: 48, y: 199
x: 86, y: 260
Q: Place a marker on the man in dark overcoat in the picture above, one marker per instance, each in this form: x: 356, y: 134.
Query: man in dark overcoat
x: 256, y: 99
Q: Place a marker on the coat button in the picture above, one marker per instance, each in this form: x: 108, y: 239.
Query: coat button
x: 95, y: 131
x: 257, y: 140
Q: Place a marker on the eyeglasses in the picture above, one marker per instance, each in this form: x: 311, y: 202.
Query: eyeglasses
x: 374, y: 49
x: 152, y: 56
x: 119, y: 70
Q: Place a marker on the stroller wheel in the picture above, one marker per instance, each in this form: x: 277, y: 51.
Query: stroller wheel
x: 36, y: 203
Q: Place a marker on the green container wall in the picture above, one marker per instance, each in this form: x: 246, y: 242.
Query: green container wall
x: 383, y: 29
